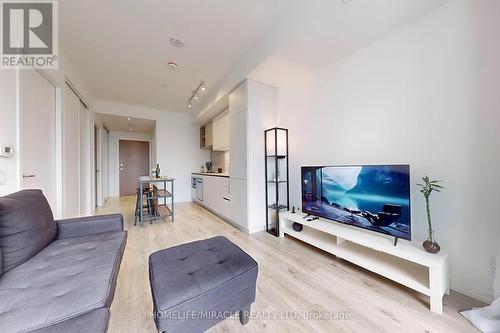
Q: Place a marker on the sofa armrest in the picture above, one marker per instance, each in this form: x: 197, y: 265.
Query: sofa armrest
x: 83, y: 226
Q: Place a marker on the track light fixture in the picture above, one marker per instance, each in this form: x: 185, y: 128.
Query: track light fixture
x: 194, y: 97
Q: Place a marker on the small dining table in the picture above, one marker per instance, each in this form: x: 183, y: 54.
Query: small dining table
x: 159, y: 193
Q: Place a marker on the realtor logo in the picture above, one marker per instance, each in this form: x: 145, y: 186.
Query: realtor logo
x: 29, y: 34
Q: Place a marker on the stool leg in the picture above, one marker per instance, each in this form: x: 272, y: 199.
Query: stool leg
x: 137, y: 207
x: 245, y: 315
x: 150, y: 207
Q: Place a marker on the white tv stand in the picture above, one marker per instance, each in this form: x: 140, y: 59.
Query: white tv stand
x: 407, y: 263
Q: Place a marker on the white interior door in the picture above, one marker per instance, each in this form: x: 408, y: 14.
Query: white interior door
x: 38, y: 134
x: 71, y: 153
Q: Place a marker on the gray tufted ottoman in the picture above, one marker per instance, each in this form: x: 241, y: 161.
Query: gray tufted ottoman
x: 199, y: 284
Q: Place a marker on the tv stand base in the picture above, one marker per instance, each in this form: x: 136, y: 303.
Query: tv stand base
x: 407, y: 264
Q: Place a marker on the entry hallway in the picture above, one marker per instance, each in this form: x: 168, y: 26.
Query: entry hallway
x: 294, y: 279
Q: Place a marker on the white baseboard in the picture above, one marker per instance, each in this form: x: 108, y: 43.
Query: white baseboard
x: 225, y: 219
x: 472, y: 292
x: 258, y: 229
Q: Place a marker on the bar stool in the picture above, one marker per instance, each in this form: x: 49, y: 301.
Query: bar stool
x: 147, y: 193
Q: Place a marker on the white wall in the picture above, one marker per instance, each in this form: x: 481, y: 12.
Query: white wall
x: 177, y: 142
x: 220, y: 159
x: 262, y: 112
x: 427, y: 95
x: 114, y: 157
x: 8, y: 129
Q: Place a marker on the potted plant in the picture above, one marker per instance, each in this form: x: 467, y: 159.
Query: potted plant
x: 427, y: 188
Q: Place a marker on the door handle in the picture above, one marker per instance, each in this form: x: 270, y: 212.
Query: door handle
x: 29, y: 176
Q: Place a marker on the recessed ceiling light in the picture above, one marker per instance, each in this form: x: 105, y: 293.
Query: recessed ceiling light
x: 190, y: 106
x: 128, y: 118
x: 203, y: 88
x: 195, y: 97
x: 172, y: 65
x: 130, y: 129
x: 176, y: 42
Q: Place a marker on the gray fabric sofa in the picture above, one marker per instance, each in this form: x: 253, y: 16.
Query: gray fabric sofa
x: 199, y: 284
x: 56, y: 276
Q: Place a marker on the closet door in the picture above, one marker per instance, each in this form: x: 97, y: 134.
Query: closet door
x: 38, y: 134
x: 71, y: 153
x: 85, y: 160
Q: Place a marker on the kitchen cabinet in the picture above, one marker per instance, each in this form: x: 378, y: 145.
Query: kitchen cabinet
x: 216, y: 194
x: 238, y: 99
x: 206, y: 136
x: 220, y: 128
x: 252, y: 110
x: 209, y: 187
x: 238, y: 144
x: 238, y: 207
x: 238, y: 157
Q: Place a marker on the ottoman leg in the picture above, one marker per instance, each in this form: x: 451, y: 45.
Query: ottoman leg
x: 245, y: 315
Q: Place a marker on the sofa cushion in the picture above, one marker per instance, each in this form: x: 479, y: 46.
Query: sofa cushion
x: 26, y: 227
x: 93, y: 322
x: 68, y: 278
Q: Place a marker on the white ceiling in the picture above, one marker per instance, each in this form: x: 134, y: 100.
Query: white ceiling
x: 315, y: 35
x: 121, y: 47
x: 122, y: 124
x: 318, y: 33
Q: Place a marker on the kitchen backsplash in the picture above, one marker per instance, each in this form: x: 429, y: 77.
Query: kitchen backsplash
x: 220, y: 159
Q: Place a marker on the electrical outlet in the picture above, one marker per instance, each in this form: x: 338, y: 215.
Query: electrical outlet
x: 3, y: 179
x: 493, y: 265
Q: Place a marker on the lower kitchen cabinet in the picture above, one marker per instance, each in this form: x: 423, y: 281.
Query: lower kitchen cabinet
x: 238, y: 209
x: 227, y: 198
x: 215, y: 189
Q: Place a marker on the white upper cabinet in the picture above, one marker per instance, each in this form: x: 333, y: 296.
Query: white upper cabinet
x: 238, y: 99
x: 220, y: 127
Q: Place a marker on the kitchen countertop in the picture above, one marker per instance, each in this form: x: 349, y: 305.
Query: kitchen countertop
x: 211, y: 174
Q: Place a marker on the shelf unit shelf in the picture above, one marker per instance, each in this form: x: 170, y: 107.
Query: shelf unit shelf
x: 277, y: 156
x: 280, y: 207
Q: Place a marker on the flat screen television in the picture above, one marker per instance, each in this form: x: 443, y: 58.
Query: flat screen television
x: 373, y: 197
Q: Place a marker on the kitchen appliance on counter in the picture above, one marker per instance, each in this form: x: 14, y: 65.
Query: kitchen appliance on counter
x: 210, y: 167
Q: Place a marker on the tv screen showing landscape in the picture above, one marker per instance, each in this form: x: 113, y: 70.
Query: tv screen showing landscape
x: 373, y: 197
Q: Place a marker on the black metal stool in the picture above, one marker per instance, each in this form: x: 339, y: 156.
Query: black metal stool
x: 147, y: 193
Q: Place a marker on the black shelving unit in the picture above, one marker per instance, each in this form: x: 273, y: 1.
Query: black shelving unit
x: 277, y: 181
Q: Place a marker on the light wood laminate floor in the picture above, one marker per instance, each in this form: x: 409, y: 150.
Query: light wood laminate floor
x: 294, y: 278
